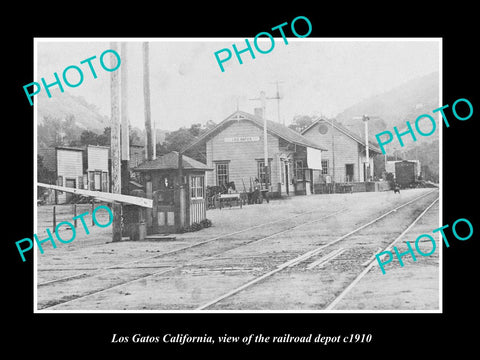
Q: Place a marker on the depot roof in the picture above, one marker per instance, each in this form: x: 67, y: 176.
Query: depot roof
x: 170, y: 162
x: 371, y: 145
x: 273, y: 128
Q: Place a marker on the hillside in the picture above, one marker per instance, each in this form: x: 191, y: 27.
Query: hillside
x: 395, y: 107
x: 61, y: 107
x: 63, y: 117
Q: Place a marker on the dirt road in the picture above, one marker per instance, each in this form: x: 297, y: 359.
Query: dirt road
x: 244, y: 244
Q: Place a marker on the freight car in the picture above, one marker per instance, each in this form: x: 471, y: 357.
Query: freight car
x: 406, y: 173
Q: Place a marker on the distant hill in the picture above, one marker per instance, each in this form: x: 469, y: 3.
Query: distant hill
x: 395, y: 107
x: 63, y: 105
x: 63, y: 117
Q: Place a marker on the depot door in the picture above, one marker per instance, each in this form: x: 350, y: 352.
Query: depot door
x: 348, y: 172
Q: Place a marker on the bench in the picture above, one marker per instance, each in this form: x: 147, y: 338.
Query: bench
x: 229, y: 198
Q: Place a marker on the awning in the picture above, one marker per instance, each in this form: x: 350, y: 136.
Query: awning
x: 314, y: 158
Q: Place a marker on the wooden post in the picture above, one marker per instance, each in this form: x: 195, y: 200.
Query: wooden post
x: 333, y: 156
x: 75, y: 215
x: 54, y: 218
x: 181, y: 206
x: 149, y: 194
x: 146, y: 96
x: 115, y: 149
x: 93, y: 223
x: 125, y: 131
x: 367, y: 154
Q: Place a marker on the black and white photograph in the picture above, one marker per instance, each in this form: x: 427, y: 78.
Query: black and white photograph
x: 229, y: 181
x: 265, y: 187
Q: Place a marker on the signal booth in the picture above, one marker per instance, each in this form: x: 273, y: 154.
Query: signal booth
x: 178, y: 195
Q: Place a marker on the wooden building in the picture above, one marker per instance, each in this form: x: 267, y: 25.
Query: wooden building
x: 234, y: 149
x: 76, y: 167
x: 97, y: 168
x: 345, y: 161
x: 137, y: 155
x: 69, y: 169
x: 178, y: 199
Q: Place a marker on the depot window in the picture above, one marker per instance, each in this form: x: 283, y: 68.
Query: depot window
x: 299, y: 169
x: 261, y: 171
x: 222, y: 173
x: 324, y: 167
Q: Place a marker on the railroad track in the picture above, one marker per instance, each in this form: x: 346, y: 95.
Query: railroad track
x: 101, y: 271
x: 168, y: 269
x: 369, y: 264
x: 97, y: 271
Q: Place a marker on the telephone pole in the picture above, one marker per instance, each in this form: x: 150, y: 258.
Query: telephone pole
x: 263, y: 102
x: 367, y: 155
x: 146, y: 96
x: 278, y: 98
x: 115, y: 149
x: 125, y: 131
x: 333, y: 155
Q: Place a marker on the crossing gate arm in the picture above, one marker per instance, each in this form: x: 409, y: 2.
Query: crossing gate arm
x: 104, y: 196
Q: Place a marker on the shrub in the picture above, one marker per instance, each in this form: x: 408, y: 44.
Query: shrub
x: 196, y: 226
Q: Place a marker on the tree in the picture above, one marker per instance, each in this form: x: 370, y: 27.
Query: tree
x: 44, y: 175
x: 104, y: 139
x: 58, y: 132
x: 301, y: 122
x: 210, y: 124
x: 195, y: 129
x: 134, y: 137
x: 50, y: 132
x: 178, y: 139
x: 88, y: 137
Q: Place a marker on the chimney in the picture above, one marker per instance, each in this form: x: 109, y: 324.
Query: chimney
x: 258, y: 112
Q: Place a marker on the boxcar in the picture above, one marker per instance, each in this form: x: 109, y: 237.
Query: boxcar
x: 406, y: 173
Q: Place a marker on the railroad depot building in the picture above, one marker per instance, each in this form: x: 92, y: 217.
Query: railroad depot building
x: 345, y: 161
x: 234, y: 149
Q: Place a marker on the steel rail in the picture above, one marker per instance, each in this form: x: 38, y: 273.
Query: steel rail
x: 304, y: 256
x: 196, y: 261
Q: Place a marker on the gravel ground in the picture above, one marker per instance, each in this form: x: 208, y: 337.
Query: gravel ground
x: 188, y: 279
x: 416, y: 285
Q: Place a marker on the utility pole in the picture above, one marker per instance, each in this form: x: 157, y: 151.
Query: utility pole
x: 146, y: 96
x: 263, y: 102
x: 278, y: 98
x: 115, y: 149
x: 333, y: 155
x: 125, y: 131
x: 367, y: 161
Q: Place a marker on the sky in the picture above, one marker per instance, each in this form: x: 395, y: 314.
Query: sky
x: 316, y: 76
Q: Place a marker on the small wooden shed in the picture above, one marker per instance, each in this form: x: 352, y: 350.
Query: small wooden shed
x: 178, y: 193
x: 69, y: 168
